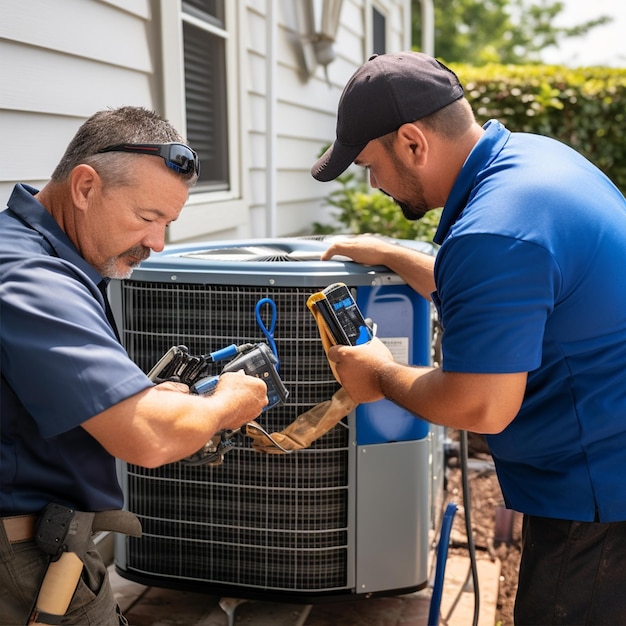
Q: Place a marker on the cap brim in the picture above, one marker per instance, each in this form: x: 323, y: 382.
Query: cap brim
x: 335, y: 161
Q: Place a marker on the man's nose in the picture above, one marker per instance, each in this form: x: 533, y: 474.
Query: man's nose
x: 155, y: 239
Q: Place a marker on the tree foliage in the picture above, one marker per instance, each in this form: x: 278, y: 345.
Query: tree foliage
x: 497, y: 31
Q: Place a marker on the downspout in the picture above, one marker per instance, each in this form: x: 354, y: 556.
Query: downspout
x: 428, y: 27
x: 270, y: 121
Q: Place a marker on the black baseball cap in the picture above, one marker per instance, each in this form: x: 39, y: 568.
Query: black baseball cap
x: 387, y: 91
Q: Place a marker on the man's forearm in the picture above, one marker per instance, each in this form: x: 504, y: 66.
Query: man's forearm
x: 161, y: 424
x: 483, y: 403
x: 415, y: 268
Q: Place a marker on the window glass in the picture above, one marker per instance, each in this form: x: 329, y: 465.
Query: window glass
x: 203, y: 9
x: 205, y: 91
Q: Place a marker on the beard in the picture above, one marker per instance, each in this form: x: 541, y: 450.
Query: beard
x: 412, y: 210
x: 122, y: 265
x: 416, y: 207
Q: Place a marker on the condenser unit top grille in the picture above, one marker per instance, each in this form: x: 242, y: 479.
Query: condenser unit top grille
x: 258, y: 254
x: 280, y: 262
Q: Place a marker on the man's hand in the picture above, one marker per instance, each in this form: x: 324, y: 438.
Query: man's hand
x: 367, y: 249
x: 170, y: 385
x: 248, y: 395
x: 358, y: 368
x: 414, y: 267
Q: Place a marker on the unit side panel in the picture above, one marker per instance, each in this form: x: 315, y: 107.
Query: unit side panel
x: 393, y: 516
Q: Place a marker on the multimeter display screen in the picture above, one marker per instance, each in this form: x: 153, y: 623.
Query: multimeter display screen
x: 348, y: 316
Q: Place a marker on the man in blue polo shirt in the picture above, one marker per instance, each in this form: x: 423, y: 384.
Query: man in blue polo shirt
x: 530, y: 287
x: 72, y: 400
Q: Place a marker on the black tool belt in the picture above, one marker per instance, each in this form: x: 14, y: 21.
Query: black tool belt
x: 64, y: 534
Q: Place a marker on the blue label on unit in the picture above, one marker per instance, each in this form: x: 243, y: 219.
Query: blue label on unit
x: 399, y: 313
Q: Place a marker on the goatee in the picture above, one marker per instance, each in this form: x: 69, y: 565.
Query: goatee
x: 412, y: 213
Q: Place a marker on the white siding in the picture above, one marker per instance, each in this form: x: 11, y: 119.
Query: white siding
x: 305, y: 109
x: 60, y: 62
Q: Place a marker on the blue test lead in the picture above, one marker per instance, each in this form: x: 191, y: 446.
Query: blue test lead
x: 205, y: 386
x: 268, y: 332
x: 224, y: 353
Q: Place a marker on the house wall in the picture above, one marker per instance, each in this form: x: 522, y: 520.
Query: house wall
x: 61, y: 61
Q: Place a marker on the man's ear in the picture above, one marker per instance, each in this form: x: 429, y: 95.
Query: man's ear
x: 414, y: 142
x: 84, y: 180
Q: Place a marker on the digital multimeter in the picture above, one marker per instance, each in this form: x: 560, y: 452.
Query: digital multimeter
x: 341, y: 314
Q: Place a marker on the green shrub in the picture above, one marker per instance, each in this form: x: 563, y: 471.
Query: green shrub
x: 584, y: 108
x: 366, y: 210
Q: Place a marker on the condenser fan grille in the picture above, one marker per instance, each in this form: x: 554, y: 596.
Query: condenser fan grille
x: 275, y: 522
x: 258, y: 254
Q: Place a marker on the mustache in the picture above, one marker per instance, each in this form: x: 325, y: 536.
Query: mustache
x: 137, y: 252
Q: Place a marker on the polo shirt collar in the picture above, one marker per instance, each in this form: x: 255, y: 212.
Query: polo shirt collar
x: 30, y: 210
x: 485, y: 150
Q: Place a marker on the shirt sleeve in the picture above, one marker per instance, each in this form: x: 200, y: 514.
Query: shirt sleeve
x: 59, y: 353
x: 495, y: 295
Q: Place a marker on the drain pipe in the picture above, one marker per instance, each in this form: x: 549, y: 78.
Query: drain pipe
x: 270, y: 119
x: 428, y: 27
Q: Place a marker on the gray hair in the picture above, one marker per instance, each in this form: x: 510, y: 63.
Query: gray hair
x: 110, y: 127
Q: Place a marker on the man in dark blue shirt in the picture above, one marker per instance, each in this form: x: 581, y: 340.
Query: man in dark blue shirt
x: 530, y: 288
x: 72, y: 400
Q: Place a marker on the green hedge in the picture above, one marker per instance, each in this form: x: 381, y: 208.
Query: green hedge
x: 585, y: 108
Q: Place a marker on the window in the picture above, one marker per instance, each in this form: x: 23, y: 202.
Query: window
x: 204, y: 47
x: 201, y: 82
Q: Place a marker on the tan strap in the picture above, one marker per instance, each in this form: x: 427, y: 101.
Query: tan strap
x: 22, y: 527
x: 19, y: 527
x: 306, y: 428
x: 318, y: 420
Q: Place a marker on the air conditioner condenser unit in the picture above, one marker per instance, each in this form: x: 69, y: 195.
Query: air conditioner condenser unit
x: 349, y: 516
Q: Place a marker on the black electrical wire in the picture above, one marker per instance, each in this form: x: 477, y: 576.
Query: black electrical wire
x: 467, y: 505
x: 472, y: 572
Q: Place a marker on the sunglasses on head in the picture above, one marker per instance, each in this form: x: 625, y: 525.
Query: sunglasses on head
x: 177, y: 156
